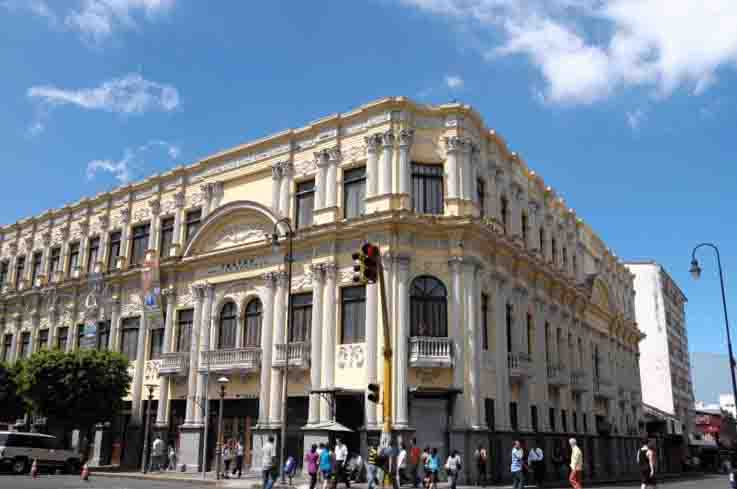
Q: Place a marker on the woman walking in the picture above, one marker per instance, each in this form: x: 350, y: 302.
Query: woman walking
x: 312, y: 460
x: 434, y: 466
x: 646, y: 462
x: 453, y: 466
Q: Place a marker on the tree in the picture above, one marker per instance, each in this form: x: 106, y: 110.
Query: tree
x: 12, y: 405
x: 77, y: 389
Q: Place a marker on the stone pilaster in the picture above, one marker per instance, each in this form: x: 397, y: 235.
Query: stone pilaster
x: 280, y: 316
x: 162, y: 411
x: 406, y: 138
x: 191, y: 418
x: 313, y: 416
x: 501, y: 402
x: 372, y: 164
x: 453, y: 146
x: 267, y: 348
x: 372, y: 349
x: 386, y: 165
x: 458, y: 333
x: 403, y: 329
x: 328, y: 338
x: 204, y: 332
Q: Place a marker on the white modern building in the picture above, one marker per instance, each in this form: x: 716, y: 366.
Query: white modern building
x: 665, y: 369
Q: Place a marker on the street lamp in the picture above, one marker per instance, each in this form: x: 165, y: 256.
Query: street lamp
x: 288, y: 259
x: 146, y: 452
x: 696, y: 273
x: 223, y: 381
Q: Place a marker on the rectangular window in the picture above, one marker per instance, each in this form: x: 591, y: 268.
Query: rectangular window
x: 129, y: 338
x: 489, y: 408
x: 62, y: 338
x: 43, y: 339
x: 513, y: 415
x: 481, y: 196
x: 427, y: 189
x: 80, y: 336
x: 167, y: 236
x: 510, y: 321
x: 305, y: 203
x: 185, y: 318
x: 55, y: 260
x: 20, y: 268
x: 530, y: 333
x: 25, y: 345
x: 533, y: 417
x: 92, y: 254
x: 73, y: 256
x: 564, y: 420
x: 7, y: 347
x: 103, y: 335
x: 36, y: 267
x: 574, y: 416
x: 525, y: 227
x: 551, y: 419
x: 485, y: 322
x: 353, y: 319
x: 301, y: 317
x: 139, y: 243
x: 4, y: 267
x: 156, y: 347
x: 354, y: 192
x: 585, y: 423
x: 547, y: 343
x: 113, y: 250
x: 192, y: 223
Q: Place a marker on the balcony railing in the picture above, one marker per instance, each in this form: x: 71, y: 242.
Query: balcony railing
x: 176, y: 363
x: 520, y: 365
x: 579, y: 380
x: 299, y: 355
x: 603, y: 387
x: 428, y: 352
x: 557, y: 375
x: 231, y: 360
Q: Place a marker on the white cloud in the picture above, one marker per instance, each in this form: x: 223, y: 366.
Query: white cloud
x: 454, y: 82
x: 95, y: 20
x: 123, y: 169
x: 587, y: 50
x: 635, y: 119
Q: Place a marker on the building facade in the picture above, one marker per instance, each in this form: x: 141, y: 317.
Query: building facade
x: 509, y: 317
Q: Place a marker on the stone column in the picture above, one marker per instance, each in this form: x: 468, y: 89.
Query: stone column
x: 190, y: 418
x: 372, y: 164
x: 162, y: 411
x: 328, y: 339
x: 541, y: 364
x: 275, y: 187
x: 386, y: 166
x: 316, y: 344
x: 285, y: 188
x: 153, y: 236
x: 113, y: 340
x: 322, y: 161
x: 458, y: 333
x: 523, y: 407
x: 467, y: 192
x: 177, y: 245
x: 406, y: 137
x: 472, y: 290
x: 501, y: 402
x: 331, y: 185
x: 267, y: 349
x: 402, y: 419
x: 372, y: 349
x: 453, y: 145
x: 124, y: 238
x: 280, y: 317
x: 83, y: 245
x: 137, y: 387
x: 204, y: 333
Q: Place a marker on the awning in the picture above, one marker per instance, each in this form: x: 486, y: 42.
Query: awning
x: 333, y: 426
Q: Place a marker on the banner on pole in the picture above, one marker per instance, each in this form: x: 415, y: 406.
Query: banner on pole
x: 151, y: 285
x: 88, y: 340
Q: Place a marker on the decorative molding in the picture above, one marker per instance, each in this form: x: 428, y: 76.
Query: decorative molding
x: 305, y: 167
x: 239, y: 162
x: 240, y: 233
x: 372, y: 142
x: 141, y: 214
x: 351, y: 356
x: 406, y: 137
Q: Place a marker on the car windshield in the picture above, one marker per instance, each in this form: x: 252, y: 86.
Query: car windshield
x: 3, y: 439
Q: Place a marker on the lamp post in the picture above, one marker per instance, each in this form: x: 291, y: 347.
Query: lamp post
x: 223, y: 381
x: 146, y: 452
x: 696, y: 273
x: 288, y: 259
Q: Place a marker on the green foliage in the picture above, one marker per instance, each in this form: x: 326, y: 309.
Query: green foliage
x: 77, y: 389
x: 12, y: 406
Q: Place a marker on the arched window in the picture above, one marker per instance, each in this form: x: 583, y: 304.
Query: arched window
x: 226, y: 333
x: 252, y: 336
x: 428, y: 308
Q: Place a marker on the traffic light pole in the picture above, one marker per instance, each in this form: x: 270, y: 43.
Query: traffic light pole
x: 386, y: 429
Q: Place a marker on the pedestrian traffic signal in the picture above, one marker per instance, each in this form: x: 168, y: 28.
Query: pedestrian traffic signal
x: 370, y: 262
x: 373, y: 393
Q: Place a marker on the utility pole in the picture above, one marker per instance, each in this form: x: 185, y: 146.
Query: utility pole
x: 386, y: 428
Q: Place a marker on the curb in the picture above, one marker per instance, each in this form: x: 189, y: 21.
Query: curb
x: 120, y: 475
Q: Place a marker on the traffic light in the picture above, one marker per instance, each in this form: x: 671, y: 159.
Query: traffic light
x: 358, y: 267
x: 370, y: 262
x: 373, y: 393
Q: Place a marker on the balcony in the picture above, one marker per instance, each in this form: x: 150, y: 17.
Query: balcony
x: 427, y: 352
x: 557, y: 375
x: 176, y: 363
x: 299, y: 355
x: 232, y: 360
x: 603, y: 387
x: 520, y: 366
x: 579, y: 381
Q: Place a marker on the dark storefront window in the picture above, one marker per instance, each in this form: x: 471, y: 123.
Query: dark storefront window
x: 353, y: 314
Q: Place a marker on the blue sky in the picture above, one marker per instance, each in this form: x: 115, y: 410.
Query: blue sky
x: 625, y: 107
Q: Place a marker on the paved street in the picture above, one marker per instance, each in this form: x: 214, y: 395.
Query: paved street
x: 73, y: 482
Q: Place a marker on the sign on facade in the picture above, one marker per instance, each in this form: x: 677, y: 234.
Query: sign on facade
x: 89, y: 336
x: 151, y: 285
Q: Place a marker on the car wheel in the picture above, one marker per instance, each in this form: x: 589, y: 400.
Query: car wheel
x: 71, y: 467
x: 20, y: 466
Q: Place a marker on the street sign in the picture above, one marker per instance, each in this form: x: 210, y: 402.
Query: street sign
x: 89, y: 335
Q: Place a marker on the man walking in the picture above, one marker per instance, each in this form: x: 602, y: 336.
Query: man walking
x: 267, y: 462
x: 157, y: 453
x: 576, y: 477
x: 238, y: 459
x: 414, y: 462
x: 481, y: 457
x: 374, y: 474
x: 646, y: 463
x: 341, y: 458
x: 518, y: 461
x: 402, y: 465
x: 537, y: 466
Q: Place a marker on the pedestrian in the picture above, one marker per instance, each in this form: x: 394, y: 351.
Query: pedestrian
x: 374, y: 472
x: 326, y: 465
x: 290, y: 467
x: 341, y: 458
x: 157, y: 453
x: 402, y: 465
x: 646, y: 463
x: 518, y: 466
x: 425, y: 460
x: 453, y: 465
x: 414, y: 462
x: 576, y: 477
x: 267, y: 462
x: 482, y: 457
x: 434, y: 467
x: 536, y: 463
x: 239, y: 450
x: 227, y: 457
x: 558, y: 462
x: 172, y: 458
x: 312, y: 461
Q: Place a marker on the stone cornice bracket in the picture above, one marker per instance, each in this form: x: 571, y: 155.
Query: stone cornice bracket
x: 387, y: 139
x: 453, y: 143
x: 155, y: 206
x: 198, y: 291
x: 455, y: 262
x: 179, y: 200
x: 169, y: 292
x: 276, y: 171
x: 406, y: 138
x: 322, y: 157
x: 13, y: 248
x: 334, y: 155
x: 28, y: 242
x: 104, y: 221
x: 331, y: 270
x: 372, y: 142
x: 46, y: 238
x: 269, y: 279
x: 318, y: 271
x: 281, y: 278
x: 125, y: 215
x: 285, y: 168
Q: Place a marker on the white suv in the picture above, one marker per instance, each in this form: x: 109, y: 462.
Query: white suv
x: 19, y: 450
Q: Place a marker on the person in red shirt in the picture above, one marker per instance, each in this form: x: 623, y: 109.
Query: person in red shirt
x: 414, y: 462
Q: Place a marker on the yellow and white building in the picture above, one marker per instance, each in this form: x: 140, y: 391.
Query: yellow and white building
x: 509, y: 316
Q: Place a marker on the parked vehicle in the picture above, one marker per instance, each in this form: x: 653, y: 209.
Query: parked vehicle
x: 19, y: 450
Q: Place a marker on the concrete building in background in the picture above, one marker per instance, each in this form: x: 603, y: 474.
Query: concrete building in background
x: 665, y: 369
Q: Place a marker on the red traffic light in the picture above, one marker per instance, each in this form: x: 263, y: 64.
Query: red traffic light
x: 370, y: 250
